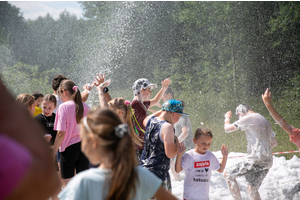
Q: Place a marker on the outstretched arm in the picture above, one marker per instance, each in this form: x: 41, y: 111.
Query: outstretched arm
x: 165, y: 84
x: 86, y: 92
x: 102, y: 100
x: 266, y: 97
x: 157, y: 113
x: 100, y: 78
x: 227, y: 126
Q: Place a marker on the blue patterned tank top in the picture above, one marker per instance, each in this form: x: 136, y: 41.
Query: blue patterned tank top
x: 154, y: 157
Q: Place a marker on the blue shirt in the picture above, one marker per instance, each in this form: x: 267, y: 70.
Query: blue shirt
x: 92, y: 185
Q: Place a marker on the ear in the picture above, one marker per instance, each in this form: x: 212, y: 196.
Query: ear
x: 94, y: 142
x: 194, y: 140
x: 120, y: 112
x: 64, y: 92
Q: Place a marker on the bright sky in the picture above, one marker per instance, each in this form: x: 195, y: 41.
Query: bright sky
x: 34, y: 9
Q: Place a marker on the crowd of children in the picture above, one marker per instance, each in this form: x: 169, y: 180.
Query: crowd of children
x: 134, y: 151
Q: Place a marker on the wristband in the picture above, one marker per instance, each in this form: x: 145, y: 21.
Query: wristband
x: 227, y: 120
x: 105, y: 90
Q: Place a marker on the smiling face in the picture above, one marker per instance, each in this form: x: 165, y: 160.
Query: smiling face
x: 47, y: 108
x: 146, y: 93
x: 203, y: 143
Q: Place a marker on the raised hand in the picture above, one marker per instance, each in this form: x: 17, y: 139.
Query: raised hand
x: 181, y: 148
x: 266, y: 97
x: 165, y: 83
x: 224, y: 150
x: 103, y: 85
x: 99, y: 78
x: 228, y: 115
x: 88, y: 87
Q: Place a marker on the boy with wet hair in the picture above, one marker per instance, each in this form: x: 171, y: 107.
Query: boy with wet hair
x: 255, y: 166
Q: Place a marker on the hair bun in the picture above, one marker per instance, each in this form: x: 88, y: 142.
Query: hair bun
x: 121, y: 130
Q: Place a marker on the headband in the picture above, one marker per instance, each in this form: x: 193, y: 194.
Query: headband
x: 86, y: 124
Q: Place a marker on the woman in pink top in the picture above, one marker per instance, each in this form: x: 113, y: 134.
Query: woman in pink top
x: 68, y: 116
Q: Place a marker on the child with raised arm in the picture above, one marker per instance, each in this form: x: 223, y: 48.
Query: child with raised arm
x: 106, y: 140
x: 198, y: 165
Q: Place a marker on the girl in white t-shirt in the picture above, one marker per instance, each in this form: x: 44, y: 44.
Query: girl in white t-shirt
x: 107, y: 141
x: 198, y: 165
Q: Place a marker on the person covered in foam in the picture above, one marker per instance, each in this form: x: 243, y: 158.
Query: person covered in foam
x: 261, y: 139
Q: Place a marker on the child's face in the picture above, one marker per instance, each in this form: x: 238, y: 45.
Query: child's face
x: 203, y: 143
x: 47, y: 108
x: 146, y: 93
x: 38, y: 101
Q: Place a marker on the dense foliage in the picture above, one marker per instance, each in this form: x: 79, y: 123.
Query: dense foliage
x: 218, y: 54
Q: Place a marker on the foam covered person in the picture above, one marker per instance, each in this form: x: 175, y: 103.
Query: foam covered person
x: 255, y: 166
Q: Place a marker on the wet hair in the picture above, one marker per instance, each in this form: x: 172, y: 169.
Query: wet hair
x: 102, y: 124
x: 50, y: 97
x: 202, y: 131
x: 170, y: 91
x: 242, y: 108
x: 119, y: 103
x: 57, y: 80
x: 37, y: 95
x: 25, y: 99
x: 68, y: 85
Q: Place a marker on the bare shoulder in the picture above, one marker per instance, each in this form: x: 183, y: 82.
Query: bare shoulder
x: 167, y: 127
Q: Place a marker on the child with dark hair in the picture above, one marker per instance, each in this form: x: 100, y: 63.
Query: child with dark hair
x: 106, y: 140
x: 37, y: 102
x: 55, y: 85
x: 198, y: 165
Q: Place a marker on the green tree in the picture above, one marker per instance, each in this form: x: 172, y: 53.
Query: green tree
x: 23, y: 78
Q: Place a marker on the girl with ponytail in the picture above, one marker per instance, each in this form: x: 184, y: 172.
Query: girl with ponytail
x: 106, y: 140
x: 67, y: 139
x: 124, y: 110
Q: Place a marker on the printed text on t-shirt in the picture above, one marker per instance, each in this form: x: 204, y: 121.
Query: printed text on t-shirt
x: 202, y: 164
